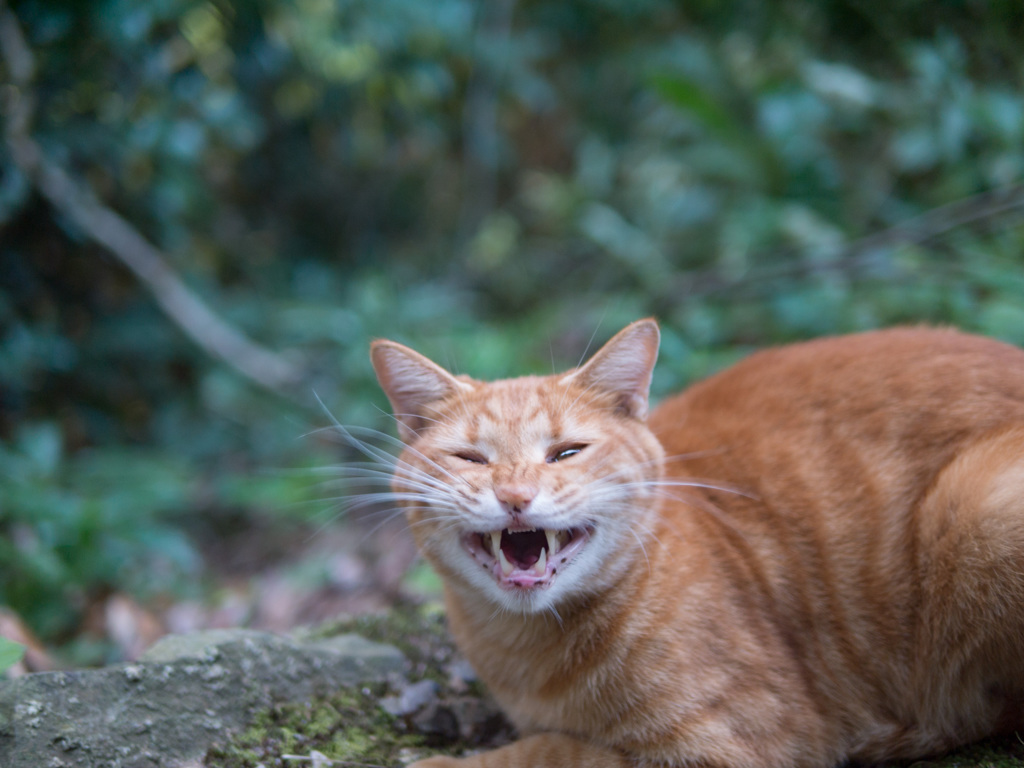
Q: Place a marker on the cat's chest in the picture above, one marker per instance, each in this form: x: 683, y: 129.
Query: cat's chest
x: 566, y: 681
x: 552, y: 701
x: 525, y: 664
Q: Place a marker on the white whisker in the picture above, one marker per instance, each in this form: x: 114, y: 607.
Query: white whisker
x: 642, y: 548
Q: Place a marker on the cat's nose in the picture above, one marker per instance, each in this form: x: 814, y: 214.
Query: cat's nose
x: 515, y: 498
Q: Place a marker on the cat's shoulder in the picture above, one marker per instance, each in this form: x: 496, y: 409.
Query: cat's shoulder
x: 899, y: 367
x: 901, y: 351
x: 889, y: 345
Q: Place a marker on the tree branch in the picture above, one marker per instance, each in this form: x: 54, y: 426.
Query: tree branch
x: 78, y: 203
x: 862, y: 252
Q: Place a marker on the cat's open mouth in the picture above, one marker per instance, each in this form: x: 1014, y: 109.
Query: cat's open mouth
x: 526, y: 558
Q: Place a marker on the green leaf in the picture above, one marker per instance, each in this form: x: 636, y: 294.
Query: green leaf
x: 722, y: 125
x: 10, y: 653
x: 690, y: 97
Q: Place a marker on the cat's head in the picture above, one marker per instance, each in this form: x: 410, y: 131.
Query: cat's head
x: 534, y: 490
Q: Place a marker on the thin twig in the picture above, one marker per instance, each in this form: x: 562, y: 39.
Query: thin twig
x: 863, y: 252
x: 79, y: 204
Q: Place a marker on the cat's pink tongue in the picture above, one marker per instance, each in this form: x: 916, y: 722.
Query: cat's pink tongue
x: 523, y: 549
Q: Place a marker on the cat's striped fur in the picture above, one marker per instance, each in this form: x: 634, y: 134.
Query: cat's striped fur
x: 815, y: 556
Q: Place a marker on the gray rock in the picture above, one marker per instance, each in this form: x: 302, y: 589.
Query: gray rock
x: 165, y: 710
x: 411, y: 697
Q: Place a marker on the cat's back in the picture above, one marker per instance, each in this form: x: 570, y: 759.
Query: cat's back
x: 910, y: 394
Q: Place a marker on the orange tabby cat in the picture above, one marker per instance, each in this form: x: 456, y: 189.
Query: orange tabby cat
x: 815, y: 556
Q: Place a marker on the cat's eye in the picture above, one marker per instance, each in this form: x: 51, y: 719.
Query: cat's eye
x: 472, y: 457
x: 564, y: 452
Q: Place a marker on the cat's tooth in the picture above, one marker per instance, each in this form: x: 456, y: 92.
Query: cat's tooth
x: 495, y: 542
x: 553, y: 544
x: 541, y: 566
x: 506, y: 566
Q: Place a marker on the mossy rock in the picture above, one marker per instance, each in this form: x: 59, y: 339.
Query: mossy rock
x: 451, y: 714
x: 349, y: 726
x: 167, y: 708
x: 1000, y: 752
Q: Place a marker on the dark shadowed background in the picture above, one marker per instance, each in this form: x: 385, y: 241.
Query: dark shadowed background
x: 209, y: 208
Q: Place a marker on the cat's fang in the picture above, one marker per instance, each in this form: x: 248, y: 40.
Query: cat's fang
x: 495, y: 542
x: 506, y: 566
x: 541, y: 566
x: 553, y: 543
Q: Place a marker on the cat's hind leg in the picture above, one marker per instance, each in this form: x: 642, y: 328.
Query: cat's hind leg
x: 971, y: 568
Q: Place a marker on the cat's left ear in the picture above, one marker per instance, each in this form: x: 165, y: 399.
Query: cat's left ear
x: 623, y: 367
x: 413, y: 384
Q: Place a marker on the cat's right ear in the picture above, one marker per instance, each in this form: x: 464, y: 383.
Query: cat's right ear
x: 412, y: 383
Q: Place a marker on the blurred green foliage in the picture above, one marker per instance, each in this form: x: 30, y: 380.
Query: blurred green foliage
x: 488, y: 181
x: 10, y: 653
x: 71, y: 524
